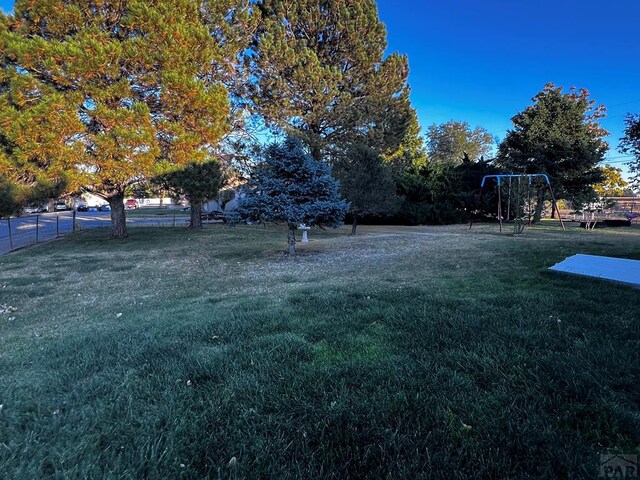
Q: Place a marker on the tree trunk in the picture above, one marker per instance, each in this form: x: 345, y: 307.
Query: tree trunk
x: 291, y: 239
x: 354, y: 225
x: 316, y: 153
x: 118, y: 216
x: 314, y: 142
x: 196, y: 212
x: 553, y: 209
x: 537, y: 214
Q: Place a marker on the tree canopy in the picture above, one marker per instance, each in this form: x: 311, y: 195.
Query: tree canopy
x: 411, y: 151
x: 559, y: 135
x: 288, y: 185
x: 322, y: 75
x: 37, y: 132
x: 452, y: 141
x: 105, y: 93
x: 198, y: 182
x: 630, y: 143
x: 613, y: 184
x: 442, y: 193
x: 367, y: 184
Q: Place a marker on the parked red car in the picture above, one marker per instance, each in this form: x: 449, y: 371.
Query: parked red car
x: 131, y: 204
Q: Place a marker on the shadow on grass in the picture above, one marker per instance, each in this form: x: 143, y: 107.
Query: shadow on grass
x: 386, y: 356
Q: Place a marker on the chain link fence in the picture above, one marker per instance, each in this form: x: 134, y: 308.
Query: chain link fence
x: 20, y: 232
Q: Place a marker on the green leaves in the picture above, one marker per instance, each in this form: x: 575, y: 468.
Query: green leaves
x: 451, y: 141
x: 197, y: 181
x: 630, y: 143
x: 366, y: 182
x: 321, y: 74
x: 558, y: 135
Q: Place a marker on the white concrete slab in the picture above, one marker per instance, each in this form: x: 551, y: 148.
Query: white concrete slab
x: 608, y: 268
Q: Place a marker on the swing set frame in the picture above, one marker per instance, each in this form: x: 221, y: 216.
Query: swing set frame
x: 510, y: 177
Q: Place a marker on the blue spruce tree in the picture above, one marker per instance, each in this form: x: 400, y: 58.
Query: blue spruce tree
x: 289, y: 186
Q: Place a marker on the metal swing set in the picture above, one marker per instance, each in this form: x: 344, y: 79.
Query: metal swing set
x: 509, y: 180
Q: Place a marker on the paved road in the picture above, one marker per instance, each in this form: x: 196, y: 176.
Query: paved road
x: 30, y: 229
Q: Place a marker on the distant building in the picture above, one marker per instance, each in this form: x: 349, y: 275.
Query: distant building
x: 214, y: 205
x: 624, y: 204
x: 88, y: 199
x: 156, y: 202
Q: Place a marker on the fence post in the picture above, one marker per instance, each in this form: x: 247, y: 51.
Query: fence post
x: 57, y: 225
x: 10, y: 236
x: 73, y: 227
x: 37, y: 226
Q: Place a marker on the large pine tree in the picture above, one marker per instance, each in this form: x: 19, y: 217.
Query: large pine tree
x: 559, y: 135
x: 38, y: 129
x: 321, y: 74
x: 128, y: 85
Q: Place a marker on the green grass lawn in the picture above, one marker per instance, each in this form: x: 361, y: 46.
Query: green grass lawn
x: 427, y: 352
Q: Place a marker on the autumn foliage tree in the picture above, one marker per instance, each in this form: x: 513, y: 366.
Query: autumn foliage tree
x: 108, y: 93
x: 37, y: 133
x: 613, y: 184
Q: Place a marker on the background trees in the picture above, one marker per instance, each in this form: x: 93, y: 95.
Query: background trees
x: 366, y: 182
x: 288, y: 185
x: 450, y: 142
x: 427, y: 192
x: 558, y: 135
x: 630, y: 143
x: 102, y: 96
x: 321, y: 75
x: 612, y: 184
x: 411, y: 151
x: 198, y: 182
x: 441, y: 193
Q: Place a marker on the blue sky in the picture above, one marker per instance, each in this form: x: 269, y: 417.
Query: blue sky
x: 482, y: 61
